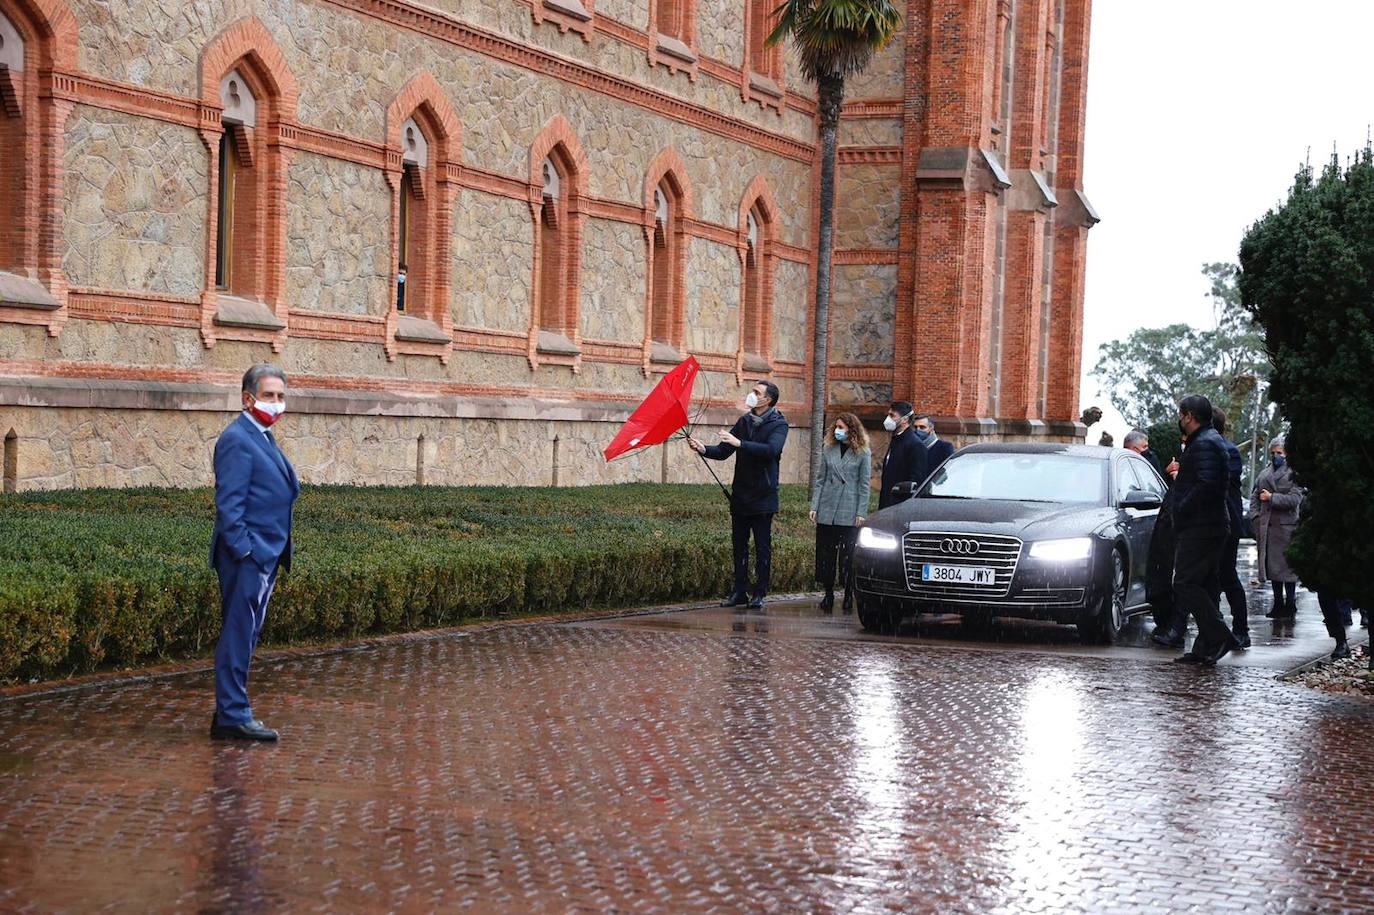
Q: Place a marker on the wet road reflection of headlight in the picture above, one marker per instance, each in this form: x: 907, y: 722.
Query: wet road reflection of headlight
x: 1062, y: 550
x: 870, y: 539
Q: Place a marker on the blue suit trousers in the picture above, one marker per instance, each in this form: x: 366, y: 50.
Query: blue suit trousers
x: 244, y: 591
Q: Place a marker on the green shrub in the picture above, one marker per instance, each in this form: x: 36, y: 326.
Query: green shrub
x: 98, y: 578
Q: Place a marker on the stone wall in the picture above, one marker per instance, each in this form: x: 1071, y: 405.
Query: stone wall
x: 862, y: 311
x: 713, y: 297
x: 493, y: 262
x: 630, y: 12
x: 338, y: 237
x: 791, y: 308
x: 136, y: 192
x: 79, y: 448
x: 613, y: 281
x: 885, y: 75
x: 868, y: 206
x: 720, y: 30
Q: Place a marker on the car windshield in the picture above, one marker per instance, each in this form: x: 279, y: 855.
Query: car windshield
x: 1020, y: 478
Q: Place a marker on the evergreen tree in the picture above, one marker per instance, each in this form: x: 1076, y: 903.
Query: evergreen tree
x: 1307, y: 275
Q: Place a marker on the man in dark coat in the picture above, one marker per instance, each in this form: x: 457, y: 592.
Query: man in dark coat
x: 937, y: 449
x: 905, y: 461
x: 756, y: 439
x: 1201, y: 527
x: 1229, y: 582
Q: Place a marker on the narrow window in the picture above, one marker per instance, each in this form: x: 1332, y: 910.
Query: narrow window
x: 666, y: 255
x: 11, y: 459
x: 13, y: 164
x: 671, y: 19
x: 552, y: 220
x: 753, y: 288
x: 224, y: 245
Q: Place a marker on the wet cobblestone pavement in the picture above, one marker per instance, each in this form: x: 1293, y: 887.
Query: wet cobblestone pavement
x: 703, y: 761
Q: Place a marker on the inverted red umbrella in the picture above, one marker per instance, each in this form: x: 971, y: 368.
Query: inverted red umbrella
x: 661, y: 414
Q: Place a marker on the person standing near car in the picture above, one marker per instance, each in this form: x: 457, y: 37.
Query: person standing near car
x: 1201, y: 529
x: 1138, y: 440
x: 906, y: 460
x: 1274, y: 505
x: 839, y: 503
x: 1228, y: 579
x: 756, y: 440
x: 937, y: 449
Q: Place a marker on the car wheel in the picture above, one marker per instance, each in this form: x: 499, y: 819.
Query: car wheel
x: 874, y: 617
x: 1102, y: 624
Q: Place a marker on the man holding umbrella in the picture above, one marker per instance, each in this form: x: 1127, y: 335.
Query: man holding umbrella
x: 756, y: 439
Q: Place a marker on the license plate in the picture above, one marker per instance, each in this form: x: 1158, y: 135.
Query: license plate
x: 958, y: 575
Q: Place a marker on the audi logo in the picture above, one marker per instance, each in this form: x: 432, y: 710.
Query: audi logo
x: 961, y: 547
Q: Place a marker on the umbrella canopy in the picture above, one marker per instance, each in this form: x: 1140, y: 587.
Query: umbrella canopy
x: 661, y: 414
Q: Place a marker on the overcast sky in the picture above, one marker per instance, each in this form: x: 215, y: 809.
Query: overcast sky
x: 1198, y: 115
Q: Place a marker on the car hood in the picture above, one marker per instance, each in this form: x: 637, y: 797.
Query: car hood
x: 1027, y: 520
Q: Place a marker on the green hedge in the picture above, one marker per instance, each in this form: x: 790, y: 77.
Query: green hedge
x: 95, y: 578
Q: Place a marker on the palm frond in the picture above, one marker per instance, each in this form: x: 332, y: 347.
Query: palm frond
x: 835, y: 37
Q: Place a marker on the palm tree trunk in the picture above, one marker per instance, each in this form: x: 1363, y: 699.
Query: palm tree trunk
x: 830, y: 94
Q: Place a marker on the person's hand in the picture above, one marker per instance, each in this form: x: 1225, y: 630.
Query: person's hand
x: 858, y: 521
x: 695, y: 445
x: 813, y: 516
x: 1265, y: 495
x: 728, y: 439
x: 1172, y: 469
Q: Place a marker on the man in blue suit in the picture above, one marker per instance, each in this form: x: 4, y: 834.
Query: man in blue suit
x: 255, y: 491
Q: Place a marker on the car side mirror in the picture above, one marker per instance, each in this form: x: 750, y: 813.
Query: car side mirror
x: 1140, y: 500
x: 905, y: 490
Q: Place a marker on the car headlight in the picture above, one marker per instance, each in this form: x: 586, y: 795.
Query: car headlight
x: 1062, y: 550
x: 871, y: 539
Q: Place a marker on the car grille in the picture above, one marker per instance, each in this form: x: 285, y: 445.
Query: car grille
x: 921, y: 547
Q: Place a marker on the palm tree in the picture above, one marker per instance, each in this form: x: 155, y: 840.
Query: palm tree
x: 835, y: 39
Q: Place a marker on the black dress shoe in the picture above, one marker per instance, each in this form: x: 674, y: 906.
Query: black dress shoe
x: 848, y: 601
x: 250, y: 730
x: 828, y: 602
x: 756, y: 604
x: 1188, y: 658
x: 1167, y: 639
x: 1340, y: 651
x: 1242, y: 639
x: 1221, y: 651
x: 735, y: 600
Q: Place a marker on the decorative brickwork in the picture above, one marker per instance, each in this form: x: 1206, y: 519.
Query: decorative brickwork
x: 673, y: 36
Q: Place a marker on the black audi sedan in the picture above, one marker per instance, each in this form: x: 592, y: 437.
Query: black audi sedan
x: 1042, y: 531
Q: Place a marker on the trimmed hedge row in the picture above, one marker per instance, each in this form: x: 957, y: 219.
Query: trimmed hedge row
x: 96, y: 578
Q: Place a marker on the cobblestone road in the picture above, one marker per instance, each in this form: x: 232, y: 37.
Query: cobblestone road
x: 700, y: 762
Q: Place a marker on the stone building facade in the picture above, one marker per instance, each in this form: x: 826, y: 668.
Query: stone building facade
x: 476, y: 233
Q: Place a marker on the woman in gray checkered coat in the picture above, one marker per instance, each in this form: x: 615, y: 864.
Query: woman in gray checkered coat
x: 840, y: 503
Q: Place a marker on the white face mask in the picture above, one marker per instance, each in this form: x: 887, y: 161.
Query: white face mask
x: 271, y: 409
x: 890, y: 424
x: 751, y: 400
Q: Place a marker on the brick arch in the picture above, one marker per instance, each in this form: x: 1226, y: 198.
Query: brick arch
x: 759, y: 194
x: 558, y: 133
x: 248, y: 39
x: 425, y: 96
x: 668, y: 164
x: 50, y: 24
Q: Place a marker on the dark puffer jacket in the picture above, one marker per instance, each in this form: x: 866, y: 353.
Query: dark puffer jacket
x: 1198, y: 499
x: 757, y: 465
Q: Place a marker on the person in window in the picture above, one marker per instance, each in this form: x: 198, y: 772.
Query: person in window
x: 1274, y: 505
x: 905, y: 461
x: 937, y: 449
x: 839, y: 503
x: 757, y: 440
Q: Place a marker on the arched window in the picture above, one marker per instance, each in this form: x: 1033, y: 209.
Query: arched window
x: 244, y: 75
x: 423, y: 141
x: 762, y: 70
x: 30, y: 252
x: 756, y: 281
x: 673, y: 34
x: 666, y: 266
x: 557, y: 184
x: 553, y: 243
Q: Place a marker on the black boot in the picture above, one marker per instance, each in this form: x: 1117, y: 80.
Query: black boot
x: 848, y: 600
x: 828, y: 602
x: 1342, y: 650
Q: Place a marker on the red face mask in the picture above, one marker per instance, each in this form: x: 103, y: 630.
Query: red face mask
x: 266, y: 413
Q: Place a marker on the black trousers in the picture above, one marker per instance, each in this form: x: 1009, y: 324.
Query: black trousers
x: 835, y: 549
x: 1334, y: 612
x: 1228, y: 583
x: 1195, y: 584
x: 760, y: 527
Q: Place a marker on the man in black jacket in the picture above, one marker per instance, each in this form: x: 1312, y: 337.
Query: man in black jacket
x: 905, y: 461
x: 1201, y: 527
x: 1229, y: 581
x: 757, y: 439
x: 937, y: 449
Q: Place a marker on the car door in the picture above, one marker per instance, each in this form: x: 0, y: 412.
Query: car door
x: 1138, y: 525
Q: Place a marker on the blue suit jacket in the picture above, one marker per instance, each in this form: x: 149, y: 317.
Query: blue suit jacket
x: 255, y: 491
